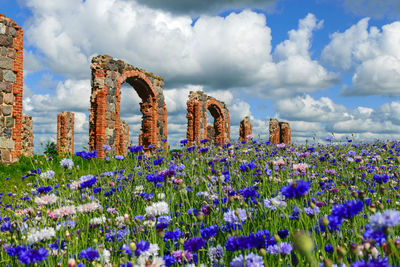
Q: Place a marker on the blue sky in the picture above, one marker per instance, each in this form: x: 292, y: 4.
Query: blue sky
x: 323, y: 65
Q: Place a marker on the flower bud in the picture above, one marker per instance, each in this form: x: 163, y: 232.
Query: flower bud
x: 303, y: 243
x: 132, y: 246
x: 71, y: 263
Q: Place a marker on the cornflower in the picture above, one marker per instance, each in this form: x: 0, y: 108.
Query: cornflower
x: 39, y: 235
x: 46, y: 199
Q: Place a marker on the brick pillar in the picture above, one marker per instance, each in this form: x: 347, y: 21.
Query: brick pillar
x: 274, y: 131
x: 65, y: 132
x: 11, y: 89
x: 286, y: 133
x: 246, y: 129
x: 27, y: 135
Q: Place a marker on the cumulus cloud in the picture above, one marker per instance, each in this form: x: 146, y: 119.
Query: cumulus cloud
x: 321, y: 117
x: 306, y: 108
x: 373, y: 55
x: 216, y: 52
x: 195, y: 7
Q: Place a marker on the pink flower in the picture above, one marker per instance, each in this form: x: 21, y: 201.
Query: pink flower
x: 300, y: 167
x: 279, y: 162
x: 111, y: 183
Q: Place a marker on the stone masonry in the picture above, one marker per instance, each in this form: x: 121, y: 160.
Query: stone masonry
x: 124, y: 136
x: 11, y: 90
x: 279, y: 132
x: 197, y: 107
x: 27, y: 135
x: 65, y: 132
x: 211, y: 133
x: 246, y: 129
x: 108, y: 75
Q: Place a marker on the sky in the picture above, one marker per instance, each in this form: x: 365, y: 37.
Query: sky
x: 325, y: 66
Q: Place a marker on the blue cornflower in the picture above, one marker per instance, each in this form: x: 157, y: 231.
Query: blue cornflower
x: 348, y: 209
x: 184, y: 141
x: 249, y: 192
x: 89, y: 254
x: 295, y: 214
x: 296, y: 189
x: 32, y: 255
x: 172, y: 235
x: 169, y: 260
x: 283, y: 233
x: 329, y: 248
x: 208, y: 232
x: 158, y: 161
x: 378, y: 262
x: 381, y: 179
x: 203, y: 141
x: 378, y: 235
x: 141, y: 247
x: 44, y: 189
x: 87, y: 181
x: 193, y: 244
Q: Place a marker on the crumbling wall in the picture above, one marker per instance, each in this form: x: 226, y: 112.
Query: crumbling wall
x: 124, y: 136
x: 246, y: 129
x: 279, y: 132
x: 65, y: 132
x: 107, y: 77
x: 197, y: 107
x: 27, y: 135
x: 11, y: 89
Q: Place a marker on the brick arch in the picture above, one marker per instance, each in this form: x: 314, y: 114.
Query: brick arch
x: 197, y: 107
x: 108, y: 75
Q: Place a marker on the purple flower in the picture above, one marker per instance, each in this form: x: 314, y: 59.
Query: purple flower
x: 251, y: 260
x: 285, y: 248
x: 379, y: 262
x: 386, y: 219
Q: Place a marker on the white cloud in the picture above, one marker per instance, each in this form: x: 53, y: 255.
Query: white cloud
x: 215, y: 52
x: 306, y: 108
x: 373, y: 55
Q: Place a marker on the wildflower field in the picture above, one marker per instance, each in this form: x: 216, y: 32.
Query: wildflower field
x: 241, y: 204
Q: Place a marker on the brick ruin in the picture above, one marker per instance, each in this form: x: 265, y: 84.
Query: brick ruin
x: 197, y: 107
x: 27, y: 135
x: 279, y: 132
x: 65, y: 132
x: 108, y: 75
x: 246, y: 129
x: 11, y: 90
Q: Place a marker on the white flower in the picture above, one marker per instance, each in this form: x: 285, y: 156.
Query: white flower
x: 157, y: 209
x: 98, y: 220
x: 279, y: 201
x: 161, y: 196
x: 39, y: 235
x: 89, y: 207
x: 106, y: 255
x: 47, y: 174
x: 145, y: 262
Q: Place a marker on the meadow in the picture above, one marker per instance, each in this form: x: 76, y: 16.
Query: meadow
x: 242, y: 204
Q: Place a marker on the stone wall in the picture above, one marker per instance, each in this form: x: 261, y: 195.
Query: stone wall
x: 124, y: 136
x: 65, y: 132
x: 11, y: 89
x: 211, y: 133
x: 246, y: 129
x: 279, y: 132
x: 197, y: 107
x: 108, y: 75
x: 27, y: 135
